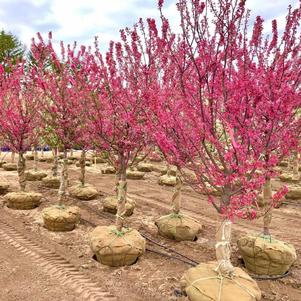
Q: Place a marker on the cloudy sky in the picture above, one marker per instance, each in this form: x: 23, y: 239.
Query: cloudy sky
x: 81, y: 20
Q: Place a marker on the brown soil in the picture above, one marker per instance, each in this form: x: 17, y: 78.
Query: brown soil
x: 155, y: 277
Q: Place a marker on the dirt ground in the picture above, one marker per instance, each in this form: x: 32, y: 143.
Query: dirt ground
x: 155, y: 277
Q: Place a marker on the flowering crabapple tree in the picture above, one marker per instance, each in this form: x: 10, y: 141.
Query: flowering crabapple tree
x: 117, y: 117
x: 19, y: 107
x: 216, y: 115
x: 61, y: 110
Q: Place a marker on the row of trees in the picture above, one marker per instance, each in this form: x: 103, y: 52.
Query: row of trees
x: 220, y: 103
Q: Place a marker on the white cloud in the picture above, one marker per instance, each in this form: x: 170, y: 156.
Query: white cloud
x: 81, y: 20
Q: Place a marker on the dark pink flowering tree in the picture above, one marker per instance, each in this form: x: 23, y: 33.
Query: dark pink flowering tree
x: 225, y: 113
x: 61, y: 112
x: 117, y: 115
x: 19, y: 112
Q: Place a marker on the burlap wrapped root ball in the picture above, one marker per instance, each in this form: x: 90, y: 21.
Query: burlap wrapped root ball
x: 203, y: 283
x: 289, y: 178
x: 29, y: 157
x: 172, y: 171
x: 23, y: 200
x: 35, y: 175
x: 51, y: 182
x: 2, y: 163
x: 145, y: 167
x: 264, y: 255
x: 167, y: 180
x: 83, y: 192
x: 3, y: 187
x: 115, y: 248
x: 61, y: 218
x: 135, y: 174
x: 178, y: 227
x: 294, y: 193
x: 110, y: 205
x: 10, y: 166
x: 108, y: 170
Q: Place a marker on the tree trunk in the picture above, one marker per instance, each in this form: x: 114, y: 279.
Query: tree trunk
x: 168, y: 170
x: 32, y: 150
x: 223, y: 248
x: 121, y: 195
x: 35, y: 158
x: 63, y: 180
x: 21, y: 171
x: 13, y: 155
x: 296, y: 175
x: 267, y: 196
x: 71, y: 152
x: 42, y: 152
x: 55, y: 162
x: 177, y: 197
x: 82, y: 163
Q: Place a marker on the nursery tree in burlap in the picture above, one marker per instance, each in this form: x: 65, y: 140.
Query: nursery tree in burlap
x: 62, y: 115
x: 117, y: 125
x: 219, y: 124
x: 117, y: 118
x: 19, y: 107
x: 61, y: 111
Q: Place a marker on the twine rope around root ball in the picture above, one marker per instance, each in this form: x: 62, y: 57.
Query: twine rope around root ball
x: 221, y: 278
x: 116, y: 237
x: 269, y: 239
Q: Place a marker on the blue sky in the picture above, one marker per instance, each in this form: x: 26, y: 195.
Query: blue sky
x: 81, y: 20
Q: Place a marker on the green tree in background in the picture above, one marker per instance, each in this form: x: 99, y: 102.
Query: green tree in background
x: 10, y: 47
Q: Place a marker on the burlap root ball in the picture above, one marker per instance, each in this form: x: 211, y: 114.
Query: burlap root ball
x: 35, y: 175
x: 264, y: 255
x: 2, y: 163
x: 203, y: 283
x: 69, y: 162
x: 172, y: 171
x: 178, y: 227
x: 86, y: 192
x: 61, y: 218
x: 167, y: 180
x: 110, y: 205
x: 3, y: 187
x: 87, y: 163
x: 29, y: 157
x: 23, y: 200
x: 135, y: 174
x: 116, y: 250
x: 145, y: 167
x: 294, y: 193
x: 159, y: 169
x: 288, y: 178
x: 10, y: 166
x: 108, y: 170
x: 51, y: 182
x: 283, y: 163
x: 99, y: 160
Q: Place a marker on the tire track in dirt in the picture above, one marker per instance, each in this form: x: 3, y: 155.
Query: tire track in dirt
x: 56, y: 266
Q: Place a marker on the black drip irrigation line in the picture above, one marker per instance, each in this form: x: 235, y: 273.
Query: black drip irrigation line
x: 185, y: 260
x: 192, y: 263
x: 169, y: 249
